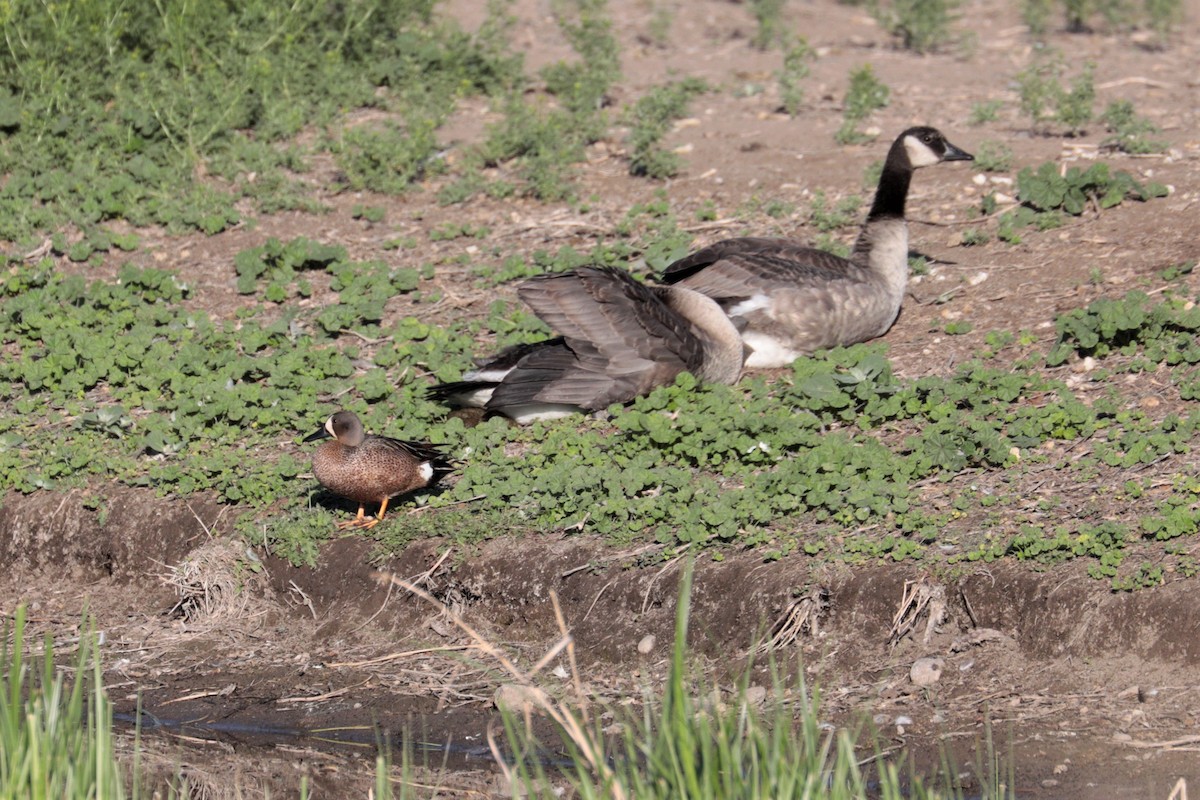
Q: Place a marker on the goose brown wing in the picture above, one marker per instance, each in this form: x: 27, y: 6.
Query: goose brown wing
x: 619, y: 341
x: 736, y: 269
x: 606, y: 315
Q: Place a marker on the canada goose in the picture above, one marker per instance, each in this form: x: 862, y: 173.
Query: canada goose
x: 371, y: 469
x: 790, y: 299
x: 619, y: 339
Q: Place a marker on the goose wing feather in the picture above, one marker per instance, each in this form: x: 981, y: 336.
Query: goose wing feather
x: 739, y: 268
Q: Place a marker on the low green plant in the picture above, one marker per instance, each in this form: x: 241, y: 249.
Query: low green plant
x: 115, y: 109
x: 56, y: 734
x: 993, y: 156
x: 797, y: 55
x: 688, y: 743
x: 1049, y: 189
x: 769, y: 16
x: 842, y: 213
x: 1036, y: 16
x: 1126, y: 324
x: 922, y: 26
x: 539, y: 141
x: 984, y: 112
x: 1045, y: 99
x: 973, y: 237
x: 650, y: 119
x: 865, y: 94
x: 1129, y: 130
x: 1163, y: 16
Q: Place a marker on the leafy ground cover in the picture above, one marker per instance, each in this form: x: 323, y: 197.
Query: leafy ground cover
x: 219, y: 227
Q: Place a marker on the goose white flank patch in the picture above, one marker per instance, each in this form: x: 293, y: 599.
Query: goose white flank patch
x: 790, y: 299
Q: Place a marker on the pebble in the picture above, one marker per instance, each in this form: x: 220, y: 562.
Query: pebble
x: 926, y: 671
x: 646, y: 644
x: 515, y: 698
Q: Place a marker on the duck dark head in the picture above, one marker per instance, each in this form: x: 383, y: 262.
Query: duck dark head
x: 924, y: 146
x: 343, y: 427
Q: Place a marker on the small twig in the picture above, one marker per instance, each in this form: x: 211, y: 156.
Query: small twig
x: 378, y: 611
x: 1167, y: 745
x: 307, y: 600
x: 223, y: 692
x: 363, y: 338
x: 374, y: 662
x: 427, y: 574
x: 327, y: 696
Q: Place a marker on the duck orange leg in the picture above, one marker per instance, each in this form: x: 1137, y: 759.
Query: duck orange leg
x: 367, y: 524
x: 357, y: 522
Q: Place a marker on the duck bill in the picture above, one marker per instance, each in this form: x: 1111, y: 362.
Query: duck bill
x: 319, y: 433
x: 956, y: 154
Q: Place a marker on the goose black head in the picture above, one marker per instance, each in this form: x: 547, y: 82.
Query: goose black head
x: 924, y: 146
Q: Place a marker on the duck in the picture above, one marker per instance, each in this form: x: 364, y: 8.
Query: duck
x: 790, y: 299
x: 372, y: 469
x: 618, y: 338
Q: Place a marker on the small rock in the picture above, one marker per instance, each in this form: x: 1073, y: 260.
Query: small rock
x: 1122, y: 737
x: 646, y: 644
x: 926, y: 671
x: 1049, y: 783
x: 756, y: 695
x: 904, y: 720
x: 1059, y: 769
x: 515, y: 698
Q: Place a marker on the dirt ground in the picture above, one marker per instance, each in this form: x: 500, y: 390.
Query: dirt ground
x: 1091, y: 694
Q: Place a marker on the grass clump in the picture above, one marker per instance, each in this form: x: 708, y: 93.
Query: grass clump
x: 865, y: 94
x: 689, y: 741
x: 56, y: 736
x: 114, y: 108
x: 651, y: 118
x: 1129, y: 130
x: 796, y: 57
x: 922, y: 26
x: 1045, y: 99
x: 769, y: 16
x: 993, y: 156
x: 538, y: 140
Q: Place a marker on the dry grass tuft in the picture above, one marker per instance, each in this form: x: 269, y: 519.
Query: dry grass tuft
x: 213, y: 582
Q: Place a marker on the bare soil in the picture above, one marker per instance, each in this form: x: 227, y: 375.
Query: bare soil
x: 1090, y: 694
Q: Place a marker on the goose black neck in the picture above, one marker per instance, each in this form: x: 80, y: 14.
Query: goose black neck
x: 893, y: 186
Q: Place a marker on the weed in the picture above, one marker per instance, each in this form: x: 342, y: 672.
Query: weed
x: 117, y: 107
x: 921, y: 25
x: 1077, y: 12
x: 769, y: 16
x: 993, y: 156
x: 543, y: 142
x: 1045, y: 99
x: 582, y: 85
x: 843, y: 213
x: 1163, y: 16
x: 796, y: 57
x: 650, y: 119
x: 972, y: 237
x: 659, y: 28
x: 1047, y: 189
x: 984, y: 112
x: 1129, y: 130
x: 1036, y: 16
x: 865, y: 94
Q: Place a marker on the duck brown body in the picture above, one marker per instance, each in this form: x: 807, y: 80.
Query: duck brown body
x: 372, y: 469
